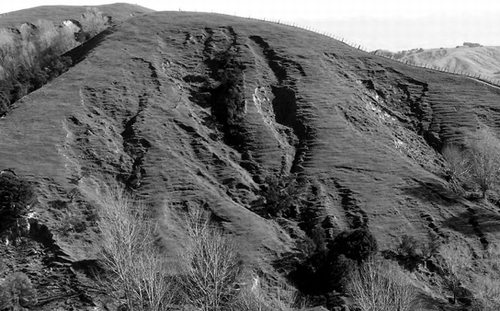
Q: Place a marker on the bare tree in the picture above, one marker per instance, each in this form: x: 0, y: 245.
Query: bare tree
x: 457, y: 260
x: 211, y: 265
x: 126, y: 249
x: 476, y: 162
x: 485, y: 158
x: 381, y: 286
x: 459, y: 163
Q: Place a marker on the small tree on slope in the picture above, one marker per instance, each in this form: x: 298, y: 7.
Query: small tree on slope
x: 485, y: 159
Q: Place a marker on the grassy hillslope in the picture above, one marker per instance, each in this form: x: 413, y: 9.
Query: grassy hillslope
x: 58, y: 13
x: 195, y: 110
x: 478, y: 60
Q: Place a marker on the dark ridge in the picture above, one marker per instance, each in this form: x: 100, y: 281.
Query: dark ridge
x: 82, y: 51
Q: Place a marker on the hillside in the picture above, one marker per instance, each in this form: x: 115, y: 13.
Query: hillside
x: 484, y: 60
x: 193, y: 110
x: 58, y: 13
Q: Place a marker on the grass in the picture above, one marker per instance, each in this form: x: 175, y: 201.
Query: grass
x: 59, y: 13
x: 71, y: 128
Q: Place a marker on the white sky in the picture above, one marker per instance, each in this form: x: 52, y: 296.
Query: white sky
x: 386, y: 24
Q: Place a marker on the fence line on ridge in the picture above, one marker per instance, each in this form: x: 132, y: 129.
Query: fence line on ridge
x: 476, y: 76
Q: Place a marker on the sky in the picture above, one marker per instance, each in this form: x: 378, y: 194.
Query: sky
x: 384, y: 24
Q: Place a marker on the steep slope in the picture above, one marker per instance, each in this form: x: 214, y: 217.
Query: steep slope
x: 197, y: 110
x: 476, y: 60
x: 58, y: 13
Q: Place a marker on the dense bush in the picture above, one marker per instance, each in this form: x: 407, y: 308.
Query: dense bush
x: 281, y: 196
x: 412, y: 252
x: 327, y: 268
x: 16, y: 196
x: 4, y: 103
x: 16, y: 292
x: 227, y: 101
x: 358, y: 244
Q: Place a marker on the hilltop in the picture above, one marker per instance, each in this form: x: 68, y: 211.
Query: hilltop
x: 59, y: 13
x: 206, y: 111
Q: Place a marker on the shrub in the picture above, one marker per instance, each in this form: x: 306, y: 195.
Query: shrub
x: 280, y: 195
x: 17, y: 292
x: 408, y: 251
x: 327, y: 269
x: 381, y: 286
x: 16, y: 196
x: 358, y: 244
x: 4, y: 103
x: 211, y: 266
x: 94, y: 21
x: 412, y: 252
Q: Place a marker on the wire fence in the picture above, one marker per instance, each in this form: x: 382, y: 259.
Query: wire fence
x: 477, y: 76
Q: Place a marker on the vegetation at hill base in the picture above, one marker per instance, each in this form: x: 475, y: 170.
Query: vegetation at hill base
x: 136, y: 272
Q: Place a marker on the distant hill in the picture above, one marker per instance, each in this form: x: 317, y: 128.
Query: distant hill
x: 58, y: 13
x: 484, y: 60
